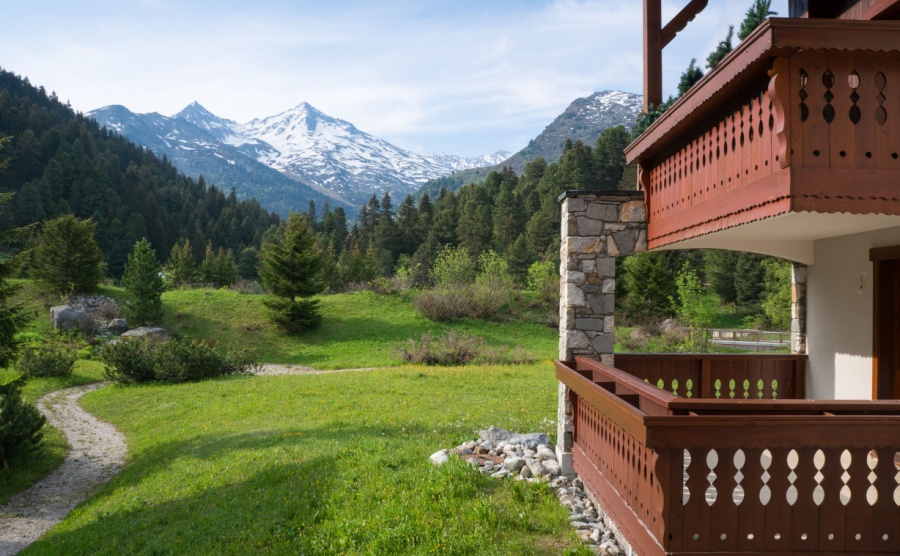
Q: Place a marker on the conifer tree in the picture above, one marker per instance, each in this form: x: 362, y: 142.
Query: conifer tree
x: 21, y: 425
x: 12, y: 315
x: 143, y: 281
x: 291, y: 270
x: 722, y: 50
x: 181, y: 268
x: 67, y: 258
x: 756, y: 14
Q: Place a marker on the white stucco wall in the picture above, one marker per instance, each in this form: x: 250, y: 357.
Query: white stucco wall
x: 839, y: 315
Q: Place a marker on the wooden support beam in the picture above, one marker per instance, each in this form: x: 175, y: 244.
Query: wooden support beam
x: 652, y: 53
x: 680, y: 21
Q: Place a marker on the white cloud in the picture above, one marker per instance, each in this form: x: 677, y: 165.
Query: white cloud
x: 464, y: 77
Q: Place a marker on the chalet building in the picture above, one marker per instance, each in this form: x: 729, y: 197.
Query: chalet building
x: 790, y: 147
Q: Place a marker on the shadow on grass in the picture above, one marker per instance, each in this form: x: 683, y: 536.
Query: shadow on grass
x: 276, y: 503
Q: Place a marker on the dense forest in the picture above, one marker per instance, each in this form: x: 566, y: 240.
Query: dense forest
x: 61, y: 162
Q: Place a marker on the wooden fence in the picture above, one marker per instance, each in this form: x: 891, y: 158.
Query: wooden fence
x: 736, y: 476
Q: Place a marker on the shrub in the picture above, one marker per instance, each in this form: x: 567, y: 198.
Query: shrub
x: 444, y: 303
x: 453, y: 267
x: 142, y: 360
x: 129, y: 361
x: 46, y: 360
x: 454, y: 348
x: 543, y: 281
x: 20, y: 424
x: 246, y: 286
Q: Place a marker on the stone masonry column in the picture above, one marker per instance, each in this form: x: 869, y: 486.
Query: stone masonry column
x: 597, y: 227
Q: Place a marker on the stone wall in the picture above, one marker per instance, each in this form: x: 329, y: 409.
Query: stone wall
x: 597, y: 227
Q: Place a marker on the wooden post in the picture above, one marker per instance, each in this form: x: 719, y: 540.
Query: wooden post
x: 652, y: 53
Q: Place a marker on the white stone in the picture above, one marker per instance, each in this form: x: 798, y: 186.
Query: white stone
x: 589, y: 266
x: 440, y: 457
x: 573, y: 295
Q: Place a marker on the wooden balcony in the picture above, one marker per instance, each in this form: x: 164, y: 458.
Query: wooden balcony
x: 803, y: 118
x: 739, y: 475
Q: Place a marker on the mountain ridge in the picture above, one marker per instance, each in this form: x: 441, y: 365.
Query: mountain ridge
x: 322, y: 157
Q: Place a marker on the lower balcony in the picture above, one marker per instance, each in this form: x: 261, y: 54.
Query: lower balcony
x: 734, y: 461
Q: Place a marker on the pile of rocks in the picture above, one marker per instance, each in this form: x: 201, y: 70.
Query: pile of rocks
x: 530, y: 457
x: 98, y: 315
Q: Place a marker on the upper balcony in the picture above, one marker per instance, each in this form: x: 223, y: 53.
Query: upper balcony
x: 795, y: 136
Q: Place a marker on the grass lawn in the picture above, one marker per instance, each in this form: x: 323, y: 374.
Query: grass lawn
x: 358, y: 329
x: 319, y: 464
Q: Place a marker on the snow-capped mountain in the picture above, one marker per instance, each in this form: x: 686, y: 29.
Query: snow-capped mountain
x: 329, y: 155
x: 583, y: 121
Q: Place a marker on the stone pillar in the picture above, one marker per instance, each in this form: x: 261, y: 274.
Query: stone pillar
x: 798, y: 308
x: 597, y: 227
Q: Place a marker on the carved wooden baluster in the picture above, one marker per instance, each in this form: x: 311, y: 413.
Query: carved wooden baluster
x: 832, y: 532
x: 723, y: 522
x: 697, y: 511
x: 751, y: 512
x: 778, y: 515
x: 805, y: 512
x: 859, y: 511
x: 886, y: 512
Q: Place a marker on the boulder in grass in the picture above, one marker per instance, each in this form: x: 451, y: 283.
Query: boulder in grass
x: 440, y: 457
x: 66, y: 317
x: 149, y: 332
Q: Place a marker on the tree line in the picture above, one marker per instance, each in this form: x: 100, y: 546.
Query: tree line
x: 61, y: 162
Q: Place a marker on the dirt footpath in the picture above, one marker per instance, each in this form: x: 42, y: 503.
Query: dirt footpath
x: 97, y: 453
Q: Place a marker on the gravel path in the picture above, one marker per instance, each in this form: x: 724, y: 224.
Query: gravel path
x: 97, y: 453
x: 276, y: 369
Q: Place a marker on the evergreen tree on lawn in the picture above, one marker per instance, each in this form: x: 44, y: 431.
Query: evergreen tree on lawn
x: 291, y: 270
x: 143, y: 281
x: 67, y: 258
x: 181, y: 268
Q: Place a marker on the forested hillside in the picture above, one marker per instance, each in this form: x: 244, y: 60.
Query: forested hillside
x: 515, y: 216
x: 61, y: 162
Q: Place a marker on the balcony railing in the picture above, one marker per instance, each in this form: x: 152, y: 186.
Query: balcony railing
x: 803, y: 116
x: 736, y: 476
x: 715, y: 376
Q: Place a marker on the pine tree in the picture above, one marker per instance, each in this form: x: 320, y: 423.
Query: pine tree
x: 21, y: 425
x: 756, y: 14
x: 722, y: 50
x: 67, y: 258
x: 691, y: 75
x: 12, y: 315
x: 519, y: 258
x: 291, y: 270
x: 181, y: 268
x: 609, y: 156
x: 143, y: 281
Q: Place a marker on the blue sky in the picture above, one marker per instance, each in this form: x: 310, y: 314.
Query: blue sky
x: 461, y: 77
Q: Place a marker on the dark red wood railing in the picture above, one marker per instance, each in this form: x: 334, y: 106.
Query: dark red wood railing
x: 720, y: 376
x: 736, y: 476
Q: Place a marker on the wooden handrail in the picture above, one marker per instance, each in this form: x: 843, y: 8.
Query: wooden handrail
x: 736, y: 476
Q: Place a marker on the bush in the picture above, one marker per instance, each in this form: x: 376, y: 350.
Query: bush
x: 46, y: 360
x: 443, y: 303
x: 453, y: 267
x: 454, y: 348
x: 20, y: 424
x: 142, y: 360
x: 543, y: 281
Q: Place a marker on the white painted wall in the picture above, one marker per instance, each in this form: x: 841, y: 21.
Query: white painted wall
x: 839, y: 315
